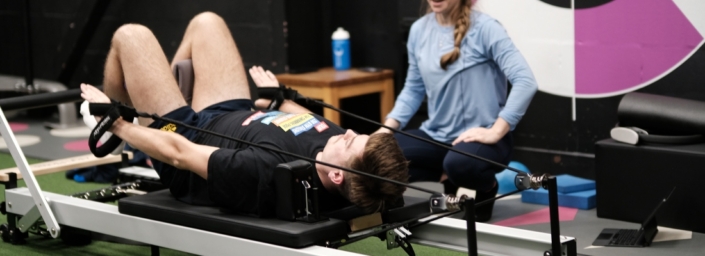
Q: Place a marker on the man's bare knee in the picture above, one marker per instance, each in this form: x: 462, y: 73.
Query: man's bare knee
x: 207, y: 19
x: 131, y: 33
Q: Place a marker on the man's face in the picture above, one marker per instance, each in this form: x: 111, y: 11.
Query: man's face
x: 341, y: 148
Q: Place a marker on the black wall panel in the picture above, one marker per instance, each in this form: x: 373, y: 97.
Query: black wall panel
x: 56, y: 25
x: 295, y: 34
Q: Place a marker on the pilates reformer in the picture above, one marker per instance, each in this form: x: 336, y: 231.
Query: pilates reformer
x: 159, y: 220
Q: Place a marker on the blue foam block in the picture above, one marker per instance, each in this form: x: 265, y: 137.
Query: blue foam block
x: 582, y: 200
x: 569, y: 184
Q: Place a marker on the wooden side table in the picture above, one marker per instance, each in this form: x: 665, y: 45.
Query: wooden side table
x: 331, y: 86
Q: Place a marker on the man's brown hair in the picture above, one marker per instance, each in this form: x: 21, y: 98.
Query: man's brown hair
x: 382, y: 157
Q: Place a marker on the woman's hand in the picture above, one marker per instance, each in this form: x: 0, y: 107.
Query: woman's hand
x: 485, y: 135
x: 263, y: 78
x: 478, y: 134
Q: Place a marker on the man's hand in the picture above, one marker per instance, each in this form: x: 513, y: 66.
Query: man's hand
x: 263, y: 78
x: 93, y: 95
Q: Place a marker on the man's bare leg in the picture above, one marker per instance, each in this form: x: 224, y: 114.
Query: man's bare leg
x: 218, y: 69
x: 137, y: 72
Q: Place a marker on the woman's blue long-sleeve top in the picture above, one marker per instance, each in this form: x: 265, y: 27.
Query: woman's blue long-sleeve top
x: 472, y: 92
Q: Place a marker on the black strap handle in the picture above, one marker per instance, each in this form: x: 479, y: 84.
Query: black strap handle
x: 110, y: 112
x: 278, y: 95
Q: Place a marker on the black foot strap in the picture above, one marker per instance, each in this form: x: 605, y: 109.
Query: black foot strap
x: 110, y: 112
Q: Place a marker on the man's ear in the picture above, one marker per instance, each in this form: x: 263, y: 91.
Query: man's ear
x: 336, y: 177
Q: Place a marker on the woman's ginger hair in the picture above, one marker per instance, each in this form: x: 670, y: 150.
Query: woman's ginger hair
x: 460, y: 14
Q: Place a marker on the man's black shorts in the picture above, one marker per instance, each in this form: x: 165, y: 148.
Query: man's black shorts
x: 187, y: 115
x: 185, y: 185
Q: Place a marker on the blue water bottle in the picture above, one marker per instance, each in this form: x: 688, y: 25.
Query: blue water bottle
x: 341, y: 49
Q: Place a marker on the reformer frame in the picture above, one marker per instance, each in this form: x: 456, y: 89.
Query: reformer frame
x: 32, y: 204
x: 446, y: 233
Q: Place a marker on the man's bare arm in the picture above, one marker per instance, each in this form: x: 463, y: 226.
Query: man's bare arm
x: 168, y: 147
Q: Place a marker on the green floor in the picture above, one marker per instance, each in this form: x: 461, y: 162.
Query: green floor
x: 58, y: 184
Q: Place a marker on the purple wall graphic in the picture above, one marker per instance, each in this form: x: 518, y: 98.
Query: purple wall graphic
x: 625, y: 43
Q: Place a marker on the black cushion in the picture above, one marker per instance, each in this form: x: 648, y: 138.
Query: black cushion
x: 162, y: 206
x: 662, y: 115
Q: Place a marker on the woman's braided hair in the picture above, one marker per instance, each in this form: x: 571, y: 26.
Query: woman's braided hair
x: 461, y: 15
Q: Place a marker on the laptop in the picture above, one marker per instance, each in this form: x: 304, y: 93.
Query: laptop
x: 641, y: 237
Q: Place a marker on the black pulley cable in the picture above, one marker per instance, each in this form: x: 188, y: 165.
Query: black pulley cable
x: 291, y: 94
x: 127, y: 109
x: 323, y: 104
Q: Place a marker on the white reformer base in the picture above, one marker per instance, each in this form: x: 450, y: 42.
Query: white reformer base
x: 451, y: 234
x: 104, y: 218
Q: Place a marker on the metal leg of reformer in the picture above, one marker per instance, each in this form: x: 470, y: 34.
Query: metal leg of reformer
x: 555, y: 224
x: 471, y: 231
x: 67, y: 111
x: 155, y: 250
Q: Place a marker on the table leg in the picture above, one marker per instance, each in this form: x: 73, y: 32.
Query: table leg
x: 330, y: 96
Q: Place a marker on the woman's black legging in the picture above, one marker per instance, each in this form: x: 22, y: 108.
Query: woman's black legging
x: 427, y: 162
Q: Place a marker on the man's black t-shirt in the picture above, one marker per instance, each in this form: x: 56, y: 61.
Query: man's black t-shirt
x: 240, y: 175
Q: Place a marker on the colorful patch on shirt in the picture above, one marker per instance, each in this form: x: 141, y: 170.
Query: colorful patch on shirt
x: 322, y: 126
x: 169, y: 128
x: 260, y: 115
x: 268, y: 117
x: 280, y: 119
x: 295, y: 121
x: 305, y: 125
x: 252, y: 117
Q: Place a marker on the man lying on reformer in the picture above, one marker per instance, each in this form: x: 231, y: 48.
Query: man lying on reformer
x: 203, y: 169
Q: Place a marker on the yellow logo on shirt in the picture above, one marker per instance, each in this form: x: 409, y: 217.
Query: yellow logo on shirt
x: 295, y: 121
x: 169, y: 128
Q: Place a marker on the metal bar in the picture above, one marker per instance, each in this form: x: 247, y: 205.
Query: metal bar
x: 28, y: 177
x: 41, y: 99
x: 105, y: 219
x: 571, y: 248
x: 29, y: 219
x: 553, y: 211
x: 29, y: 75
x: 470, y: 226
x: 12, y: 181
